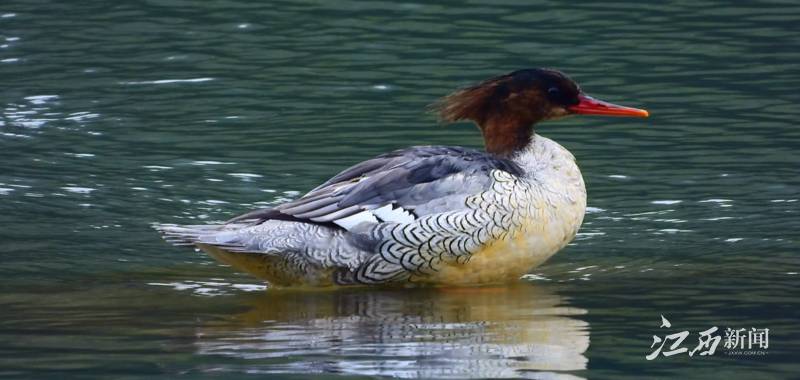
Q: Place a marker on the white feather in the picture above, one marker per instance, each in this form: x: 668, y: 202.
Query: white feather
x: 351, y: 221
x: 397, y: 215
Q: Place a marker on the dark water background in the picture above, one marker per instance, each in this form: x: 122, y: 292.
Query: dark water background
x: 115, y: 115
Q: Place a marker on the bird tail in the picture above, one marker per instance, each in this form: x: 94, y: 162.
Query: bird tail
x: 186, y: 235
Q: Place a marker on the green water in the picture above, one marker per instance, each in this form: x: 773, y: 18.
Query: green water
x: 116, y: 115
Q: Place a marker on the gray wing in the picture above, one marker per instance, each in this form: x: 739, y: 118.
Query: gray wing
x: 397, y: 186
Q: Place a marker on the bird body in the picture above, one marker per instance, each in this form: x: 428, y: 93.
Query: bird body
x: 428, y: 215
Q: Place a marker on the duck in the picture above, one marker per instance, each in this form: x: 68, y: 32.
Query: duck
x: 429, y: 215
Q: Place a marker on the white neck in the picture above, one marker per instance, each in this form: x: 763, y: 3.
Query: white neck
x: 542, y: 153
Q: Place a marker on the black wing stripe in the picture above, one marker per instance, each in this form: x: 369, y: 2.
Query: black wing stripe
x: 310, y: 207
x: 343, y: 213
x: 319, y: 212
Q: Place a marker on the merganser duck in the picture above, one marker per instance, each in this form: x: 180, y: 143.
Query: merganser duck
x: 429, y: 215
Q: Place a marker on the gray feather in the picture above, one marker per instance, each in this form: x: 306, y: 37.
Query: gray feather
x: 409, y: 178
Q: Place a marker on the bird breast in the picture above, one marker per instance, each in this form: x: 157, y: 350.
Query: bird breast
x: 528, y: 219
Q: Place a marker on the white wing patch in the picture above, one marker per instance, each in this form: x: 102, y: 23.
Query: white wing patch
x: 351, y: 221
x: 381, y: 214
x: 397, y: 215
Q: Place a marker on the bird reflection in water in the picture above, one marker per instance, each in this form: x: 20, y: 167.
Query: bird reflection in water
x: 520, y: 331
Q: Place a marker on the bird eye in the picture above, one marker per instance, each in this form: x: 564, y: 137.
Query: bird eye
x: 553, y: 91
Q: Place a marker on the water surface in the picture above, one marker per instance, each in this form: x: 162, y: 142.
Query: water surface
x: 116, y: 116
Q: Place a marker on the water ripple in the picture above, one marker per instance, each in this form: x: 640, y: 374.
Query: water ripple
x: 113, y: 118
